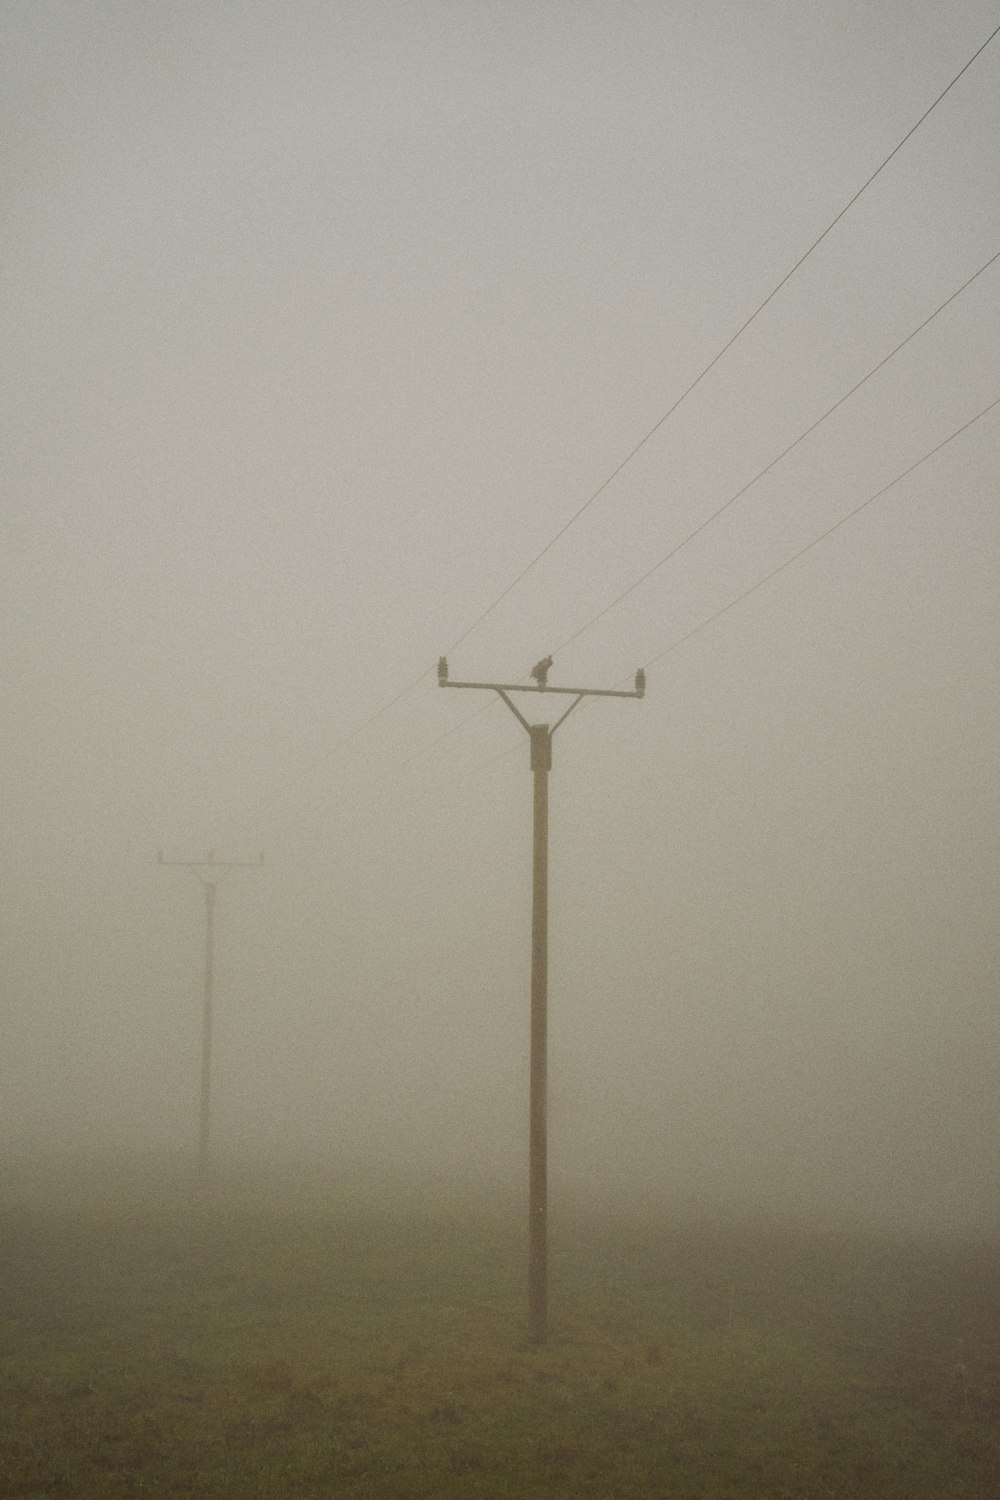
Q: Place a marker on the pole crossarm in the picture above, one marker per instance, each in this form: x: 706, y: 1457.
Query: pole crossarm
x: 541, y: 685
x: 211, y: 863
x: 522, y: 687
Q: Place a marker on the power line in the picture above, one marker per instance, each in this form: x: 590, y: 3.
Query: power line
x: 644, y: 577
x: 783, y: 566
x: 333, y: 750
x: 681, y: 398
x: 432, y: 745
x: 775, y: 461
x: 675, y: 645
x: 724, y: 350
x: 473, y: 771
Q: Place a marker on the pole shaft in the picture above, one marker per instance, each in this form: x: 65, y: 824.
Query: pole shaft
x: 204, y: 1123
x: 541, y: 764
x: 541, y: 761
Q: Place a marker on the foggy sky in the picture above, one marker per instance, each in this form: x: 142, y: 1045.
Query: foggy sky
x: 321, y: 320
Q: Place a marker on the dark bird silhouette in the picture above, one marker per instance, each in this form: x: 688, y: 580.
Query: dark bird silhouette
x: 540, y: 670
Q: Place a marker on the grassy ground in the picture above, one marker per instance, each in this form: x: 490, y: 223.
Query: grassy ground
x: 241, y: 1346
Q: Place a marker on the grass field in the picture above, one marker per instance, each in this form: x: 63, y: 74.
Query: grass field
x: 314, y: 1344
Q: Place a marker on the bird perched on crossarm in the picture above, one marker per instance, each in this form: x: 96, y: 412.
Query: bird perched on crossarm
x: 540, y: 670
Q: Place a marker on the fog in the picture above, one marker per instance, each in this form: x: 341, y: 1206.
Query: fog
x: 322, y: 321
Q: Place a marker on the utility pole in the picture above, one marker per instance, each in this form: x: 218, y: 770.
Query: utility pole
x: 540, y: 736
x: 211, y: 872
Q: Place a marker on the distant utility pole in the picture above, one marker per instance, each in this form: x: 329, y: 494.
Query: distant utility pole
x: 210, y: 872
x: 541, y: 763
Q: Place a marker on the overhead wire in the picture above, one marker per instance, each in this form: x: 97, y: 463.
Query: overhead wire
x: 741, y: 597
x: 431, y: 745
x: 334, y: 749
x: 810, y: 546
x: 768, y: 467
x: 398, y: 767
x: 724, y: 350
x: 732, y: 604
x: 795, y: 557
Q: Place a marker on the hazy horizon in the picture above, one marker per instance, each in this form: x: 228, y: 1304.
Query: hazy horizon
x: 322, y: 322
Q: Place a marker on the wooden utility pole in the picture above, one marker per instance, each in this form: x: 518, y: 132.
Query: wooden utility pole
x: 541, y: 764
x: 210, y: 872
